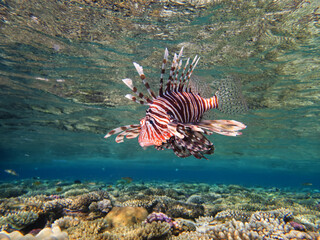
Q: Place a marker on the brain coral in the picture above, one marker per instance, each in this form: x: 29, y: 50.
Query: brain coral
x: 126, y: 216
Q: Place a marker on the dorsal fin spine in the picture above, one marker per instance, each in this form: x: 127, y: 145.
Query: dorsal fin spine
x: 172, y: 71
x: 190, y: 70
x: 177, y: 67
x: 182, y: 78
x: 133, y: 98
x: 143, y: 77
x: 163, y: 70
x: 140, y: 95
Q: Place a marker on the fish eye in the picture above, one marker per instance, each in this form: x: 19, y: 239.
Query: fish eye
x: 151, y: 122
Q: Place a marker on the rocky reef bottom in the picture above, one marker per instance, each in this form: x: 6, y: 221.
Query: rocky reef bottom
x: 56, y: 209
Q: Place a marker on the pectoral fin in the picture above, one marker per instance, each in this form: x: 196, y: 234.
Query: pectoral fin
x: 224, y: 127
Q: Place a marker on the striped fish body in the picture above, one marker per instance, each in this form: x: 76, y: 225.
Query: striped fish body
x: 165, y: 112
x: 173, y: 119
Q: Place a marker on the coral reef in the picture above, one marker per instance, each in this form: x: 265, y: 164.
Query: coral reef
x: 261, y: 225
x: 162, y: 211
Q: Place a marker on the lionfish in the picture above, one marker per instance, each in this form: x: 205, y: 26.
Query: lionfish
x: 174, y: 117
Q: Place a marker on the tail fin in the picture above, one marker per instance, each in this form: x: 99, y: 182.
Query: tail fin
x: 230, y: 98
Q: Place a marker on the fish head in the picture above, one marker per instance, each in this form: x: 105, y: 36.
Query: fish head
x: 148, y: 133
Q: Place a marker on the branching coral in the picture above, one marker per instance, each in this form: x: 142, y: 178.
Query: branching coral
x: 232, y: 214
x: 167, y: 205
x: 147, y: 203
x: 75, y: 192
x: 79, y: 204
x: 66, y: 222
x: 226, y: 213
x: 185, y: 210
x: 12, y: 205
x: 19, y: 219
x: 82, y: 202
x: 88, y: 229
x: 56, y: 205
x: 261, y: 225
x: 154, y: 230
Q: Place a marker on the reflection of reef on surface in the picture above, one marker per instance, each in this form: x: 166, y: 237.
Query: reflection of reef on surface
x: 55, y: 33
x: 157, y: 211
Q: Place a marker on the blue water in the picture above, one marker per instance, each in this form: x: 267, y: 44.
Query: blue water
x: 209, y: 173
x: 61, y: 91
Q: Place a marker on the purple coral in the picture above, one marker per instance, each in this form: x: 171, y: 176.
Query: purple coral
x: 161, y: 217
x: 298, y: 226
x: 53, y: 196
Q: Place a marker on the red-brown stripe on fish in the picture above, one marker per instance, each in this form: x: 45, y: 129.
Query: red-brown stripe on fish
x: 174, y: 117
